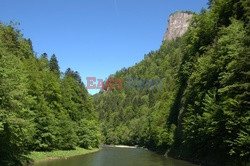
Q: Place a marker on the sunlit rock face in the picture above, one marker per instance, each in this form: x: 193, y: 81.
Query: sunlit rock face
x: 178, y: 24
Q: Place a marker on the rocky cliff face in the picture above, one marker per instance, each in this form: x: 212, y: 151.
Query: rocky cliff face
x: 178, y: 24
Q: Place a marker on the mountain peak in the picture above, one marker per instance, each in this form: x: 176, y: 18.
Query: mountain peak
x: 178, y: 24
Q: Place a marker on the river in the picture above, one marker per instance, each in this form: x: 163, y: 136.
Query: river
x: 115, y: 156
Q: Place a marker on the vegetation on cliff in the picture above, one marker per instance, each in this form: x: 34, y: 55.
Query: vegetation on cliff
x: 194, y: 103
x: 202, y: 112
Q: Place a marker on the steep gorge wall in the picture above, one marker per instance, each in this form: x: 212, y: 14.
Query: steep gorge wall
x: 178, y: 24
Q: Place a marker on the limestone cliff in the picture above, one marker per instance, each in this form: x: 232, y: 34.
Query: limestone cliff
x: 178, y: 24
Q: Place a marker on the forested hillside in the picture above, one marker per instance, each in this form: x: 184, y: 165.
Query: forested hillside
x: 41, y: 109
x: 191, y: 97
x: 202, y: 112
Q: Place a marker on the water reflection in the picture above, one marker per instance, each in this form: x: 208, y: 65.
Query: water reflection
x: 110, y: 156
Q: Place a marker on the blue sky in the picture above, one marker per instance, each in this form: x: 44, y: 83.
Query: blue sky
x: 94, y: 37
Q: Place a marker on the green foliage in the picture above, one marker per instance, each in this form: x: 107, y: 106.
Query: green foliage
x: 139, y: 117
x: 53, y: 65
x: 16, y: 129
x: 202, y: 112
x: 38, y: 109
x: 217, y: 107
x: 214, y: 102
x: 88, y: 134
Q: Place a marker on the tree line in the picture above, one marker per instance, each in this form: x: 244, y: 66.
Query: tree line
x: 201, y: 112
x: 41, y: 108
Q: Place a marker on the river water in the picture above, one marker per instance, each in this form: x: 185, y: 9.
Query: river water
x: 114, y: 156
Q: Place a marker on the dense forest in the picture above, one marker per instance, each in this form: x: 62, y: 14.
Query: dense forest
x: 202, y: 112
x: 41, y: 109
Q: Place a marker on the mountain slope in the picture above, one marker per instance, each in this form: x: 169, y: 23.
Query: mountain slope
x: 201, y: 111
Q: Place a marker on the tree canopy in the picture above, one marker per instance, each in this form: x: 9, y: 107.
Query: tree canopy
x: 39, y: 110
x: 202, y: 113
x: 195, y: 104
